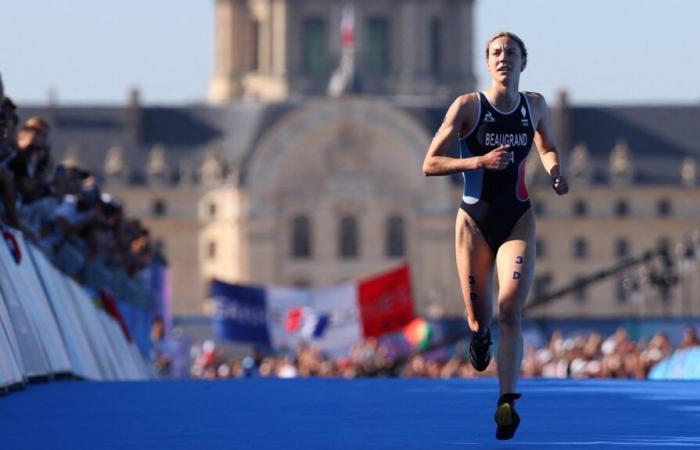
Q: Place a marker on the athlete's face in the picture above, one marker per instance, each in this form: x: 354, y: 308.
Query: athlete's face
x: 505, y: 60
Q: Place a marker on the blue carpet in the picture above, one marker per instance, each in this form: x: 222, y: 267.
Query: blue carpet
x: 339, y: 414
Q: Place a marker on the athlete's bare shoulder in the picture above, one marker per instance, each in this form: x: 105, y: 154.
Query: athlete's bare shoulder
x: 469, y: 100
x: 466, y: 108
x: 538, y: 105
x: 536, y: 100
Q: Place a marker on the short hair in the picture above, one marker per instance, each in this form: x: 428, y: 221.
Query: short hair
x: 512, y: 36
x: 36, y: 123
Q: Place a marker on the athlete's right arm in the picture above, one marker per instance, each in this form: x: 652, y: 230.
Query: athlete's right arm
x: 460, y: 116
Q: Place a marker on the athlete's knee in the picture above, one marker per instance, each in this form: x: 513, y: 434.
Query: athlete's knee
x: 510, y: 313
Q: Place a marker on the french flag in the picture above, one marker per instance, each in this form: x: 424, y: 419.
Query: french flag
x: 331, y: 318
x: 347, y: 26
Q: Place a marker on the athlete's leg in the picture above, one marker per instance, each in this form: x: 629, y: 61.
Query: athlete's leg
x: 515, y: 263
x: 475, y: 261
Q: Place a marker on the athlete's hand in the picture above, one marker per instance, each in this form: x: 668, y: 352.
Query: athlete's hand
x: 560, y: 185
x: 497, y: 159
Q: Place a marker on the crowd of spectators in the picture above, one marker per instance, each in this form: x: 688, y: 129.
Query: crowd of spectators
x: 594, y: 356
x: 60, y: 207
x: 579, y: 356
x: 367, y: 358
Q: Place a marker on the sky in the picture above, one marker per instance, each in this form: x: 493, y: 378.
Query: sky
x: 94, y: 51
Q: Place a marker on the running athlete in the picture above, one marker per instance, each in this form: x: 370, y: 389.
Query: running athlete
x: 495, y: 224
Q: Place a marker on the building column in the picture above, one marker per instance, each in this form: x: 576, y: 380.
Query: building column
x: 265, y: 39
x: 232, y: 57
x: 408, y: 49
x: 561, y: 121
x: 465, y: 31
x: 279, y: 37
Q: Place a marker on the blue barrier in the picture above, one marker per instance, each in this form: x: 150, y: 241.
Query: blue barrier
x: 682, y: 365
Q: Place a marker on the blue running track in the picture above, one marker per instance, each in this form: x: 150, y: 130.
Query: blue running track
x: 339, y: 414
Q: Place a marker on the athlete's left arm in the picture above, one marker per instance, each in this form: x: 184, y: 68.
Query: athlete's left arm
x: 544, y: 140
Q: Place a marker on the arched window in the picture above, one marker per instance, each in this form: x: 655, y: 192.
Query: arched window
x: 664, y: 243
x: 580, y: 248
x: 663, y: 207
x: 395, y: 237
x: 621, y: 291
x: 314, y: 58
x: 580, y: 208
x: 622, y: 208
x: 377, y: 45
x: 159, y: 208
x: 622, y: 248
x: 539, y: 208
x: 541, y: 285
x: 301, y: 283
x: 540, y: 248
x: 580, y: 292
x: 301, y: 237
x: 436, y: 29
x: 349, y: 240
x: 211, y: 250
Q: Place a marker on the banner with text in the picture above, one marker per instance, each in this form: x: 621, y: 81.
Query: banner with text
x: 330, y: 318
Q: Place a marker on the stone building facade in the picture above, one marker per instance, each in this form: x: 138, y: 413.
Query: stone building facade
x: 274, y: 182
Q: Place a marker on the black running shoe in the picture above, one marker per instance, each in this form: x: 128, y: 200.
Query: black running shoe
x: 480, y: 351
x: 507, y: 420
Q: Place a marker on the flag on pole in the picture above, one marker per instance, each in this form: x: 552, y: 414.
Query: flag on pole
x: 347, y: 26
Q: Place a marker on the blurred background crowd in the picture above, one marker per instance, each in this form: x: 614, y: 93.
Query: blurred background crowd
x: 577, y: 356
x: 62, y: 209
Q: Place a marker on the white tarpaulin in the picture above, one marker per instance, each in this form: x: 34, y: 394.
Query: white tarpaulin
x: 32, y: 352
x: 88, y: 318
x: 128, y: 368
x: 11, y: 371
x: 39, y: 307
x: 82, y: 357
x: 50, y: 325
x: 108, y: 354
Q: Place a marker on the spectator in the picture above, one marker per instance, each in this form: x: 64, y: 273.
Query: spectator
x: 160, y: 357
x: 207, y: 361
x: 690, y: 339
x: 8, y: 125
x: 8, y: 129
x: 76, y: 215
x: 30, y: 160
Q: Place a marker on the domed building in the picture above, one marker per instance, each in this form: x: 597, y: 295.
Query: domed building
x: 305, y: 167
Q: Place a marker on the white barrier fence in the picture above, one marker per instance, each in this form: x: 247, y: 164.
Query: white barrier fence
x: 50, y: 326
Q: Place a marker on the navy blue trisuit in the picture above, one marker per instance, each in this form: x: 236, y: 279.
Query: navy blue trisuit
x: 496, y: 199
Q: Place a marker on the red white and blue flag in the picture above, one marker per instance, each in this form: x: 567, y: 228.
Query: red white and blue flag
x: 347, y: 26
x: 330, y: 318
